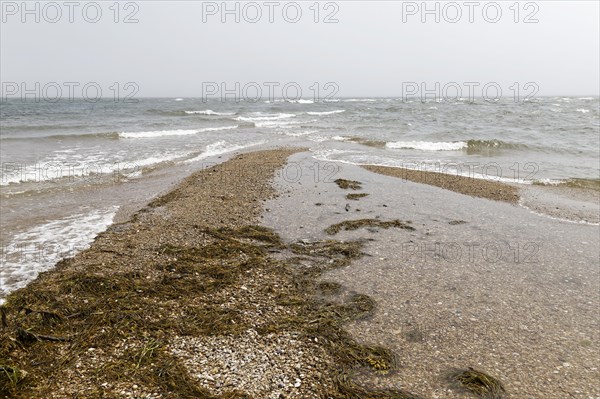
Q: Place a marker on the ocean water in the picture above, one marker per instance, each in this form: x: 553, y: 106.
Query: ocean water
x: 67, y: 167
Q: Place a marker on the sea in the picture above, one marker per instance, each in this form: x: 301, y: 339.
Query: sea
x: 68, y: 167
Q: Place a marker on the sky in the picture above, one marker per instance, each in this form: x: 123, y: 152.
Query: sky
x: 336, y: 48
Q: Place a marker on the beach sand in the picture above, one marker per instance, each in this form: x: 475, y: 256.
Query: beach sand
x: 460, y: 184
x: 193, y: 297
x: 478, y: 283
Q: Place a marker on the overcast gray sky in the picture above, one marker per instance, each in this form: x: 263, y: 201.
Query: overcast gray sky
x: 372, y: 49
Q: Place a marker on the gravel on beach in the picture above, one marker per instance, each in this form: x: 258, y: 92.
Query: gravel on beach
x: 460, y: 184
x: 167, y: 305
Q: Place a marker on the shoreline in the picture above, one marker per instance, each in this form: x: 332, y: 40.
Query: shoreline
x: 229, y: 284
x: 560, y: 202
x: 461, y: 184
x: 477, y: 283
x: 137, y: 285
x: 191, y: 298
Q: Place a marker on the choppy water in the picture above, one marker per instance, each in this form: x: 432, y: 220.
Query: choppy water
x: 53, y: 150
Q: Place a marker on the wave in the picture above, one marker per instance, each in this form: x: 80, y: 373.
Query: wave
x: 66, y: 169
x: 61, y: 238
x: 219, y: 148
x: 296, y: 133
x: 427, y: 145
x: 300, y: 101
x: 337, y: 111
x: 259, y: 116
x: 279, y: 124
x: 80, y: 136
x: 359, y: 100
x: 471, y: 146
x: 178, y: 132
x: 582, y: 110
x: 592, y: 184
x: 367, y: 142
x: 126, y: 135
x: 476, y: 146
x: 286, y: 100
x: 208, y: 112
x: 38, y: 128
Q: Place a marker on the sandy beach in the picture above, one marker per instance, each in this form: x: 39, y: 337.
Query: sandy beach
x: 481, y: 283
x: 250, y: 281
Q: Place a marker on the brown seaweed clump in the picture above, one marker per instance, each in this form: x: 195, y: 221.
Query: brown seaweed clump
x: 456, y: 222
x: 356, y: 197
x: 357, y: 224
x: 348, y: 184
x: 10, y: 377
x: 477, y: 382
x: 329, y: 287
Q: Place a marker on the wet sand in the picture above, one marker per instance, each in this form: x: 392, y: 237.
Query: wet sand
x: 478, y: 283
x: 581, y: 205
x: 460, y: 184
x: 576, y: 204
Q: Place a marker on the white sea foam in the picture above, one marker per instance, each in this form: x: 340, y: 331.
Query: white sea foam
x: 582, y: 110
x: 278, y: 123
x: 60, y: 165
x: 178, y: 132
x: 300, y: 133
x: 359, y: 100
x: 40, y: 248
x: 209, y: 112
x: 178, y: 99
x: 545, y: 215
x: 259, y: 116
x: 63, y: 165
x: 339, y: 138
x: 300, y: 101
x: 154, y: 160
x: 428, y: 145
x: 221, y: 147
x: 337, y: 111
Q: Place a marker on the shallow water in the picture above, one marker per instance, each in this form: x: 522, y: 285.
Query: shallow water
x: 65, y: 163
x: 479, y: 283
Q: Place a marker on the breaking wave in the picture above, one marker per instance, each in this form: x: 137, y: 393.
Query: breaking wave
x: 178, y: 132
x: 471, y: 146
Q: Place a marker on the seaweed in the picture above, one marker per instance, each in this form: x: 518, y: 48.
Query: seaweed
x: 348, y: 184
x: 86, y: 308
x: 10, y: 378
x: 455, y: 222
x: 357, y: 224
x: 481, y: 384
x: 355, y: 196
x: 329, y: 287
x: 330, y: 249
